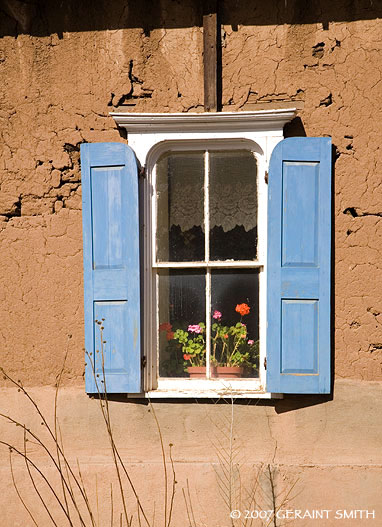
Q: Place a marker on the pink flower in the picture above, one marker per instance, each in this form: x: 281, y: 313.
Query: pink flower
x: 194, y: 328
x: 243, y: 325
x: 250, y: 342
x: 217, y: 315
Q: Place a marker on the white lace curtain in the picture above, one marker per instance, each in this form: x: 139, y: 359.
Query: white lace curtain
x: 234, y: 204
x: 232, y: 192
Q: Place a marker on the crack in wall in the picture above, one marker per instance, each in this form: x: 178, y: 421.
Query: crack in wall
x: 15, y: 212
x: 327, y: 101
x: 136, y: 92
x: 357, y: 213
x: 375, y: 347
x: 63, y: 191
x: 318, y: 50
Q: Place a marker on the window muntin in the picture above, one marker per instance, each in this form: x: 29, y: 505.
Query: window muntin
x: 206, y: 213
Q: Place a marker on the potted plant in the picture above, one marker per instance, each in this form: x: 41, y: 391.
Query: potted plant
x: 231, y: 351
x: 191, y: 343
x: 233, y: 354
x: 193, y: 349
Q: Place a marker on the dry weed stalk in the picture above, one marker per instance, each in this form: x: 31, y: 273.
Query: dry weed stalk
x: 71, y: 496
x: 279, y: 498
x: 236, y: 495
x: 58, y: 459
x: 261, y: 494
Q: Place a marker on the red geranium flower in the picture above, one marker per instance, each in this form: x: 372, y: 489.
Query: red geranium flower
x: 165, y: 326
x: 186, y: 356
x: 243, y: 309
x: 170, y: 335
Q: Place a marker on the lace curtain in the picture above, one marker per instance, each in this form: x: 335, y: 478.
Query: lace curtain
x: 233, y: 204
x: 232, y: 190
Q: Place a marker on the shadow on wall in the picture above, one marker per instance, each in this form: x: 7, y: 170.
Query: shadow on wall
x: 289, y: 403
x: 45, y: 17
x: 295, y: 128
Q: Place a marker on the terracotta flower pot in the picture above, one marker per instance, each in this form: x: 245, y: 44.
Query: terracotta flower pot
x: 229, y: 372
x: 199, y: 372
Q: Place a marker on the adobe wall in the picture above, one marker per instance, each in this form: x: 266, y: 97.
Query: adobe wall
x: 63, y: 67
x: 60, y: 82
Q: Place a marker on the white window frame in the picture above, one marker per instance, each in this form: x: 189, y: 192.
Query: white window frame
x: 151, y: 135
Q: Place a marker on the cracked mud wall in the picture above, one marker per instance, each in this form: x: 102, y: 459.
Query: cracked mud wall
x: 61, y: 77
x: 335, y: 70
x: 55, y: 94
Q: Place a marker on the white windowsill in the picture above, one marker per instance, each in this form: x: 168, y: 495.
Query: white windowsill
x: 205, y: 394
x: 209, y: 388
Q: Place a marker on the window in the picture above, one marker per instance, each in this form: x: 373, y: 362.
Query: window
x: 208, y: 259
x: 214, y: 310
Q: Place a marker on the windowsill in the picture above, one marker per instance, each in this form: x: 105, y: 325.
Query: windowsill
x: 205, y: 394
x: 209, y: 388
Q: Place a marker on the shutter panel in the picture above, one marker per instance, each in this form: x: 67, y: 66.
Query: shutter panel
x: 298, y: 266
x: 111, y: 266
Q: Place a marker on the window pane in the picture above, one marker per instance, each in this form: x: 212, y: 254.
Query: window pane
x: 180, y: 207
x: 233, y: 205
x: 181, y: 305
x: 235, y: 321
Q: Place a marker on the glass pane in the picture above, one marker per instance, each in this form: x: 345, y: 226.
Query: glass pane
x: 233, y: 205
x: 180, y: 207
x: 235, y: 323
x: 182, y: 316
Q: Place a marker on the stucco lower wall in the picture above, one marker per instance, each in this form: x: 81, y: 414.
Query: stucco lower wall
x: 323, y: 454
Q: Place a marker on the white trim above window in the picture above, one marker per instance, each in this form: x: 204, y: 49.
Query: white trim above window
x: 145, y: 130
x: 209, y: 121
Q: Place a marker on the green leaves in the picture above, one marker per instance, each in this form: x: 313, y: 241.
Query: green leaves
x: 230, y: 346
x: 193, y: 345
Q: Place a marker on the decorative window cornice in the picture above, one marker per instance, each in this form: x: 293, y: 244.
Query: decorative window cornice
x: 265, y: 120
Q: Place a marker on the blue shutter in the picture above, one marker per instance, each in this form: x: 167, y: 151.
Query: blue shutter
x: 111, y: 266
x: 298, y: 266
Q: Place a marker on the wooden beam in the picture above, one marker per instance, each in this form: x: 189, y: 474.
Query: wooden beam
x: 210, y: 54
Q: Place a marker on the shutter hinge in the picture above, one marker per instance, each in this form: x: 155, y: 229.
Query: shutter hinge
x: 266, y: 177
x: 143, y: 361
x: 265, y: 363
x: 142, y: 172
